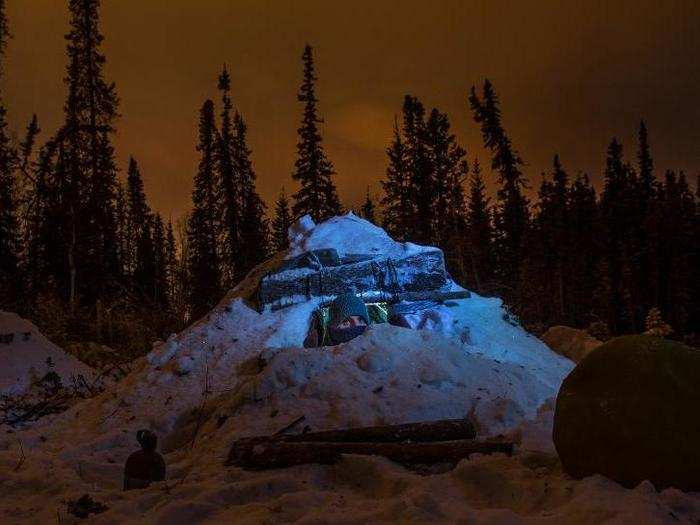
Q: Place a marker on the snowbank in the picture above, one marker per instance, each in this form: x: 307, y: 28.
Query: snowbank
x: 26, y: 356
x: 570, y: 342
x: 238, y: 372
x: 348, y: 234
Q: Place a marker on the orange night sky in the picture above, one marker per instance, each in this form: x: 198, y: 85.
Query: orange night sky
x: 570, y: 75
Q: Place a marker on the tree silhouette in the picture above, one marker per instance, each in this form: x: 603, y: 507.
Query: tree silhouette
x: 317, y: 195
x: 203, y: 262
x: 479, y: 233
x: 511, y: 214
x: 281, y: 223
x: 397, y: 203
x: 254, y: 226
x: 367, y: 210
x: 10, y: 247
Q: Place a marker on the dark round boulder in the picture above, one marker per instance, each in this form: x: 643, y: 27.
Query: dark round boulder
x: 630, y: 410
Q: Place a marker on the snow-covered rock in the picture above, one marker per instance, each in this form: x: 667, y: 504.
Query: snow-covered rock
x: 26, y: 356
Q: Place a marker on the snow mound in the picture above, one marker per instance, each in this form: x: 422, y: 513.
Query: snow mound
x: 26, y: 356
x: 570, y: 342
x: 239, y: 372
x: 348, y: 234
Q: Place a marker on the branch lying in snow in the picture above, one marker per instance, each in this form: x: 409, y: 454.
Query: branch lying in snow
x: 291, y: 425
x: 423, y: 432
x: 205, y: 395
x: 282, y: 454
x: 22, y: 457
x: 445, y: 441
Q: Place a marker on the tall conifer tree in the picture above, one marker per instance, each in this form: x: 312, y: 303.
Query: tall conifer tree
x: 137, y: 215
x: 367, y: 211
x: 397, y: 203
x: 229, y: 180
x: 83, y: 174
x: 160, y: 264
x: 317, y: 195
x: 281, y: 223
x: 511, y: 214
x: 479, y: 234
x: 203, y: 263
x: 9, y: 223
x: 254, y: 224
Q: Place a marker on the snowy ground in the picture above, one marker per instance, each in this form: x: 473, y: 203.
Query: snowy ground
x: 239, y: 373
x: 26, y: 355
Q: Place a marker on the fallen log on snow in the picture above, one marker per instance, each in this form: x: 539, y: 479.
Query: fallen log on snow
x: 281, y: 454
x: 425, y: 431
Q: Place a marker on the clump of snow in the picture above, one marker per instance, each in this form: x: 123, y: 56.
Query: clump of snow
x: 26, y: 356
x: 238, y: 372
x: 348, y: 234
x: 570, y: 342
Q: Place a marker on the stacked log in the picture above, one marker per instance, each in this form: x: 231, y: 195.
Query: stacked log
x: 447, y: 441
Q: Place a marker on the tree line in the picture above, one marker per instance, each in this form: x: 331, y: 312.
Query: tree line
x: 571, y: 257
x: 80, y: 246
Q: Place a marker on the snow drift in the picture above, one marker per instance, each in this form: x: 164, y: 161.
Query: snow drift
x: 26, y: 356
x: 239, y: 372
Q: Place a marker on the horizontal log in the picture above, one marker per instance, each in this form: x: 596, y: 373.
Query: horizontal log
x: 420, y: 272
x: 282, y: 454
x: 429, y: 296
x: 425, y: 431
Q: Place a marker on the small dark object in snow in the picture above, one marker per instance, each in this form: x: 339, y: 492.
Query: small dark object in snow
x: 84, y: 506
x: 419, y: 385
x: 378, y: 389
x: 146, y: 465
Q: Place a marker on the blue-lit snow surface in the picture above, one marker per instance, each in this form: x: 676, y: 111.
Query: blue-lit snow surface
x: 248, y: 374
x: 482, y: 366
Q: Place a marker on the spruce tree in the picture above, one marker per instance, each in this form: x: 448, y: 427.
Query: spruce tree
x: 421, y: 177
x: 646, y: 179
x: 479, y: 234
x: 122, y: 217
x: 230, y: 190
x: 9, y: 223
x: 676, y: 256
x: 317, y: 195
x: 644, y: 235
x: 447, y: 172
x: 144, y: 272
x: 367, y: 211
x: 137, y: 215
x: 511, y: 214
x: 88, y: 163
x: 160, y: 264
x: 617, y: 221
x: 281, y: 223
x: 583, y: 257
x: 203, y: 262
x: 254, y: 224
x: 172, y: 265
x: 397, y: 203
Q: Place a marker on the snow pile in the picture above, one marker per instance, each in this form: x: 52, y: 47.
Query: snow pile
x: 239, y: 372
x: 348, y: 234
x: 570, y: 342
x: 26, y: 356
